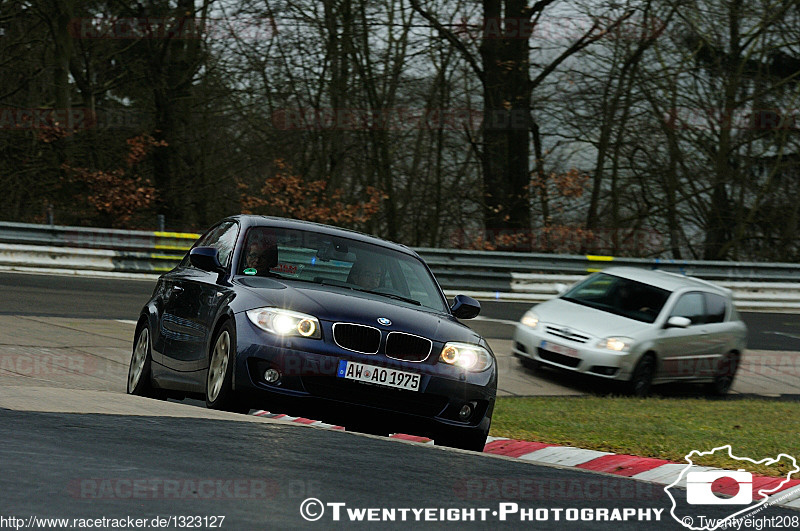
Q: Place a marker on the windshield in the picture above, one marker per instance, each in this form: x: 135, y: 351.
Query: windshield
x: 620, y: 296
x: 308, y: 256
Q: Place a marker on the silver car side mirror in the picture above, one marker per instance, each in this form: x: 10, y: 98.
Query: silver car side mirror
x: 677, y: 321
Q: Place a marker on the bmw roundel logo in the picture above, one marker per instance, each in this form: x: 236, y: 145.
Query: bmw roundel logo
x: 384, y: 321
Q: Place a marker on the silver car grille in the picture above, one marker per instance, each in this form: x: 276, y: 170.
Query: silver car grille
x: 567, y: 333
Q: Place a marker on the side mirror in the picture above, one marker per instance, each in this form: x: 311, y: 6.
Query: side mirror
x: 465, y: 307
x: 206, y: 258
x: 561, y: 288
x: 678, y: 322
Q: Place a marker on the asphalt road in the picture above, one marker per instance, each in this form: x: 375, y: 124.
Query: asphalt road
x: 100, y: 298
x: 87, y: 466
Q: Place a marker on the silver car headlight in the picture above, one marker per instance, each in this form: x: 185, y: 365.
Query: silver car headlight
x: 285, y: 322
x: 470, y: 357
x: 617, y: 344
x: 530, y: 319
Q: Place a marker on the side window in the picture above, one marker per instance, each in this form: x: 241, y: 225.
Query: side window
x: 226, y: 243
x: 223, y: 238
x: 716, y: 305
x: 211, y: 237
x: 690, y: 305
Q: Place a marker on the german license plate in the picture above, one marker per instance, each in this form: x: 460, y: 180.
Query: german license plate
x: 559, y: 349
x: 360, y: 372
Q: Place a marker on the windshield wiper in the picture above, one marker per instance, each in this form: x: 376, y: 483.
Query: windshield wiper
x: 390, y: 295
x: 273, y: 274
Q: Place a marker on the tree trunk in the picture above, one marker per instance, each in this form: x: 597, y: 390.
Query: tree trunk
x: 506, y: 120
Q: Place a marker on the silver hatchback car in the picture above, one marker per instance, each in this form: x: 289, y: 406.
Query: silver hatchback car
x: 640, y: 327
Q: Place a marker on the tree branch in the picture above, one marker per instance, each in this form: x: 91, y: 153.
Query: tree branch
x: 585, y: 40
x: 449, y: 36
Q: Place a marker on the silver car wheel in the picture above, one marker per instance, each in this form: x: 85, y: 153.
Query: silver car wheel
x: 139, y: 359
x: 219, y: 365
x: 643, y: 375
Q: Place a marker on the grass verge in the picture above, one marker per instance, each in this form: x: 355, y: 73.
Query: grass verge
x: 666, y: 428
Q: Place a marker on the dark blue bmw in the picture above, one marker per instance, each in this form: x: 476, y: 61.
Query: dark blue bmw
x: 313, y: 320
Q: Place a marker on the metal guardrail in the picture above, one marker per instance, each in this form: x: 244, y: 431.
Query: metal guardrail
x: 507, y: 262
x: 529, y: 277
x: 57, y: 245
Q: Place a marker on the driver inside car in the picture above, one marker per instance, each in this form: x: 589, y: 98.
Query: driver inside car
x: 366, y: 274
x: 260, y: 256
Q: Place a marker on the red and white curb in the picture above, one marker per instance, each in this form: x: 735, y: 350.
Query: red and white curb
x: 649, y: 469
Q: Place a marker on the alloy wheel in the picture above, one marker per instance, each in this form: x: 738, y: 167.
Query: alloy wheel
x: 139, y: 359
x: 219, y: 365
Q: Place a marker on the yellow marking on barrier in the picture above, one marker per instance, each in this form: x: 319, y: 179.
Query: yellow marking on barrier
x: 592, y: 270
x: 172, y: 247
x: 165, y: 257
x: 184, y: 235
x: 599, y: 258
x: 162, y: 269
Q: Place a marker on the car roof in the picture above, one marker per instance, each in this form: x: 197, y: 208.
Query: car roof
x: 270, y: 221
x: 665, y: 279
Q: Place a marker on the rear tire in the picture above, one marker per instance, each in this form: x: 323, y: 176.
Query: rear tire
x: 643, y: 374
x: 219, y: 382
x: 140, y: 382
x: 726, y: 372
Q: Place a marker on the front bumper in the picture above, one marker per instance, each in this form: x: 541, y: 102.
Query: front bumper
x: 309, y: 387
x: 587, y: 359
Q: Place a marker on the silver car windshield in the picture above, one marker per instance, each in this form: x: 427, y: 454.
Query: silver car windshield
x: 620, y: 296
x: 309, y: 256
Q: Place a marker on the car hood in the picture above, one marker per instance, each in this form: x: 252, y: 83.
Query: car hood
x: 591, y: 321
x: 336, y: 304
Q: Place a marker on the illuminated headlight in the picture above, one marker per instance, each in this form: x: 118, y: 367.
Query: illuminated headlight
x: 285, y: 322
x: 617, y: 344
x: 470, y: 357
x: 530, y: 319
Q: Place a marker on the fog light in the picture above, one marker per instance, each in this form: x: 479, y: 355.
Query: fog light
x: 271, y: 376
x: 466, y: 412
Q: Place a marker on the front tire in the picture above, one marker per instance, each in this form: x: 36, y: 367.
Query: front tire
x: 219, y: 382
x: 140, y: 382
x: 643, y: 375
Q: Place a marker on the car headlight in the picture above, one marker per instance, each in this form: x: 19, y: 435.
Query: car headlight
x: 530, y: 319
x: 617, y: 344
x: 285, y: 322
x: 470, y: 357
